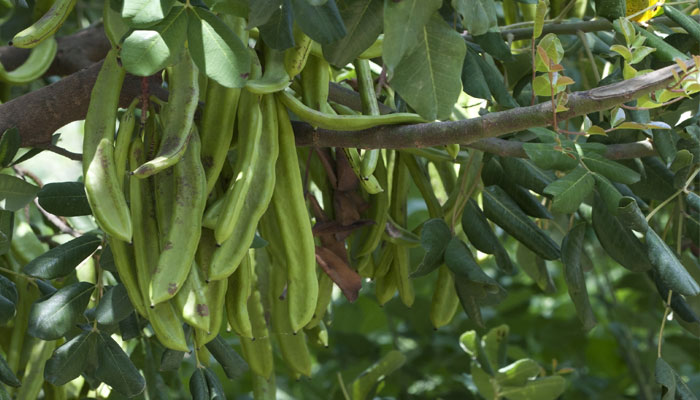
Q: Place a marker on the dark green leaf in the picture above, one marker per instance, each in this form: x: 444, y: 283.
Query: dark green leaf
x: 15, y: 193
x: 460, y: 261
x: 116, y: 369
x: 546, y: 156
x: 171, y: 360
x: 527, y: 174
x: 473, y: 80
x: 608, y: 192
x: 478, y: 16
x: 261, y: 11
x: 495, y: 344
x: 386, y: 365
x: 571, y: 253
x: 216, y: 390
x: 496, y: 83
x: 363, y: 20
x: 4, y: 395
x: 617, y: 240
x: 145, y: 52
x: 482, y: 380
x: 527, y: 202
x: 570, y: 190
x: 434, y: 238
x: 7, y: 219
x: 477, y: 228
x: 51, y: 318
x: 8, y: 289
x: 7, y: 310
x: 62, y: 260
x: 66, y: 199
x: 129, y: 327
x: 143, y: 13
x: 610, y: 169
x: 679, y: 305
x: 69, y: 360
x: 321, y: 23
x: 107, y: 260
x: 665, y: 144
x: 670, y: 270
x: 693, y: 200
x: 404, y: 23
x: 198, y: 385
x: 428, y: 76
x: 277, y: 31
x: 234, y: 366
x: 658, y: 182
x: 502, y: 210
x: 630, y: 215
x: 666, y: 378
x: 216, y: 50
x: 6, y: 375
x: 492, y: 43
x: 536, y: 268
x: 114, y: 306
x: 547, y: 388
x: 9, y: 144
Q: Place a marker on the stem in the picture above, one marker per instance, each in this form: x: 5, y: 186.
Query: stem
x: 667, y: 310
x: 343, y: 389
x: 673, y: 196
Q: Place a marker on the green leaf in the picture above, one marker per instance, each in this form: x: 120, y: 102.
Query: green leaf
x: 478, y: 16
x: 15, y: 193
x: 66, y: 199
x: 495, y: 344
x: 630, y: 215
x: 536, y: 268
x: 114, y: 306
x: 278, y: 31
x: 9, y: 144
x: 693, y: 200
x: 7, y: 219
x: 473, y: 80
x: 481, y: 236
x: 482, y: 380
x: 389, y: 363
x: 571, y: 253
x: 518, y: 373
x: 428, y: 77
x: 216, y: 390
x: 7, y: 310
x: 8, y: 290
x: 53, y: 317
x: 364, y: 21
x: 493, y: 44
x: 70, y: 360
x: 545, y: 156
x: 617, y: 240
x: 502, y: 210
x: 404, y: 23
x: 608, y: 192
x: 570, y: 190
x: 261, y: 11
x: 216, y: 50
x: 198, y: 385
x: 527, y: 174
x: 434, y: 238
x: 547, y: 388
x: 321, y: 23
x: 496, y: 83
x: 116, y: 369
x: 610, y: 169
x: 554, y: 50
x: 468, y: 341
x: 460, y: 261
x: 663, y: 373
x: 145, y: 52
x: 6, y: 375
x: 143, y: 13
x: 669, y: 268
x: 62, y: 260
x: 233, y: 365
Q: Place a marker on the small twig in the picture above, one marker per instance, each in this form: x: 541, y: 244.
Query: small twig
x: 667, y: 310
x: 58, y: 222
x: 63, y: 152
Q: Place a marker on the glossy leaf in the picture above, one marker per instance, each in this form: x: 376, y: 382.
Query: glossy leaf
x: 321, y: 23
x: 502, y: 210
x: 434, y: 238
x: 527, y: 174
x: 7, y: 310
x: 610, y: 169
x: 481, y: 236
x: 518, y: 373
x: 473, y: 80
x: 53, y: 317
x: 9, y: 144
x: 495, y: 345
x: 261, y: 11
x: 141, y: 13
x: 547, y: 388
x: 216, y: 50
x: 63, y: 259
x: 233, y: 365
x: 666, y: 378
x: 15, y: 193
x: 7, y: 219
x: 277, y: 31
x: 114, y: 306
x: 69, y: 360
x: 460, y: 261
x: 386, y: 365
x: 6, y: 375
x: 478, y: 16
x: 630, y: 215
x: 404, y: 24
x: 546, y: 156
x: 8, y: 289
x: 116, y: 369
x: 363, y: 22
x: 216, y: 390
x: 66, y: 199
x: 669, y: 268
x: 198, y: 385
x: 570, y: 190
x: 536, y: 268
x: 607, y: 192
x: 571, y: 254
x: 428, y: 77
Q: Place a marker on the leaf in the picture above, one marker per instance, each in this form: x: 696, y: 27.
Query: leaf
x: 610, y: 169
x: 570, y: 190
x: 63, y: 259
x: 277, y: 31
x: 473, y: 80
x: 233, y: 365
x: 571, y: 253
x: 477, y: 228
x: 518, y: 373
x: 478, y: 16
x: 143, y: 13
x: 114, y: 306
x: 116, y: 369
x: 321, y: 23
x: 386, y: 365
x: 216, y: 50
x: 554, y: 51
x: 434, y: 238
x: 53, y: 317
x: 15, y: 193
x: 10, y: 142
x: 66, y: 199
x: 198, y: 385
x: 527, y: 174
x: 7, y: 310
x: 669, y: 268
x: 496, y: 83
x: 216, y: 390
x: 460, y: 261
x: 8, y: 290
x: 7, y: 219
x: 608, y: 192
x: 545, y: 156
x: 500, y: 209
x: 547, y: 388
x: 630, y: 215
x: 145, y: 52
x: 71, y: 359
x: 404, y: 23
x: 468, y: 341
x: 483, y: 381
x: 536, y: 268
x: 493, y: 44
x: 363, y: 21
x: 617, y: 240
x: 663, y: 373
x: 495, y: 344
x: 6, y: 375
x: 428, y: 77
x: 261, y: 11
